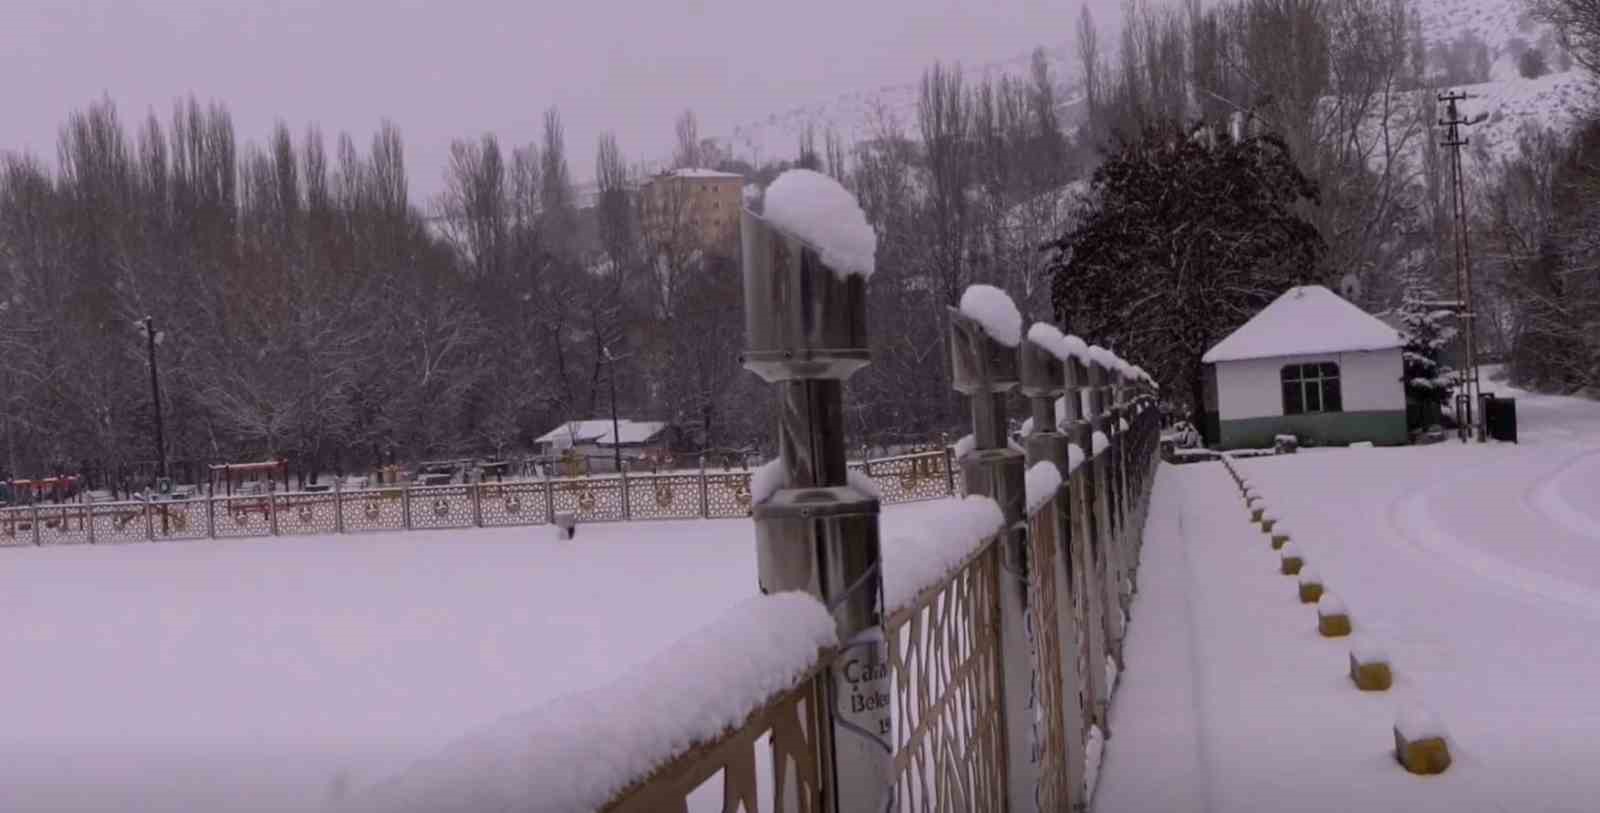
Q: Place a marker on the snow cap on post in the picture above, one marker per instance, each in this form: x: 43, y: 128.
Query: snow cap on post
x: 805, y: 270
x: 820, y: 211
x: 1044, y: 372
x: 984, y: 333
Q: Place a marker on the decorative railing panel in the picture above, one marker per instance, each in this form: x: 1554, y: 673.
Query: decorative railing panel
x: 442, y: 507
x: 664, y: 496
x: 377, y: 509
x: 117, y: 522
x: 944, y: 652
x: 1055, y: 789
x: 516, y: 503
x: 307, y: 513
x: 909, y: 478
x: 728, y: 495
x: 591, y: 499
x: 243, y: 516
x: 784, y: 732
x: 63, y: 525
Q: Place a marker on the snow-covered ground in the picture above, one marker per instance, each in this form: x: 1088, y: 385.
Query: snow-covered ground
x: 1476, y: 567
x: 279, y: 674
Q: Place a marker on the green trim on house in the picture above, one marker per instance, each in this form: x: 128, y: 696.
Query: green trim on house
x: 1382, y: 427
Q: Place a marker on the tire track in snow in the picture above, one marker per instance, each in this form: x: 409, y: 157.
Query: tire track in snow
x: 1413, y: 520
x: 1545, y: 498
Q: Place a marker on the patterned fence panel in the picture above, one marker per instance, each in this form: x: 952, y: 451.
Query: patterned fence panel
x: 307, y: 513
x: 516, y: 503
x: 179, y: 519
x: 664, y: 496
x: 64, y: 524
x: 944, y: 651
x: 910, y: 478
x: 237, y: 517
x: 442, y: 507
x: 116, y: 522
x: 1050, y: 729
x: 728, y: 495
x: 16, y: 527
x: 375, y: 509
x: 592, y: 499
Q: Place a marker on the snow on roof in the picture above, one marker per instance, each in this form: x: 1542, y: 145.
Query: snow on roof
x: 699, y: 173
x: 598, y: 431
x: 994, y: 309
x: 820, y: 211
x: 1305, y: 321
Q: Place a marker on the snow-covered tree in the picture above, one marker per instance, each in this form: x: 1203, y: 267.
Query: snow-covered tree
x: 1428, y: 333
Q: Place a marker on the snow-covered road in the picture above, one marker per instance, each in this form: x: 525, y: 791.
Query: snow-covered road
x: 1477, y: 567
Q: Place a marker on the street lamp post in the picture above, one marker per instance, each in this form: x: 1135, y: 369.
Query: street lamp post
x: 151, y: 338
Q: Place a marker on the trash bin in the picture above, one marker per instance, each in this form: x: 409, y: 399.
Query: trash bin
x: 1500, y: 417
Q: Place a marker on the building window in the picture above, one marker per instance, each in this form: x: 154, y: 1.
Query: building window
x: 1311, y: 388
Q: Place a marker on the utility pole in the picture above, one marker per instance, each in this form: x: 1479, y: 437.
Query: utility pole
x: 1453, y: 122
x: 155, y: 396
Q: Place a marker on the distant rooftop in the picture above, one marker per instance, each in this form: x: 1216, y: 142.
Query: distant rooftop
x: 598, y: 432
x: 695, y: 172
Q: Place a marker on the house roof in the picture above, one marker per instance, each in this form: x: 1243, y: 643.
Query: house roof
x: 701, y: 173
x: 1305, y: 321
x: 598, y: 432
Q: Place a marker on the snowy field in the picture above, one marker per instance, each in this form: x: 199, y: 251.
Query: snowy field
x: 278, y: 674
x: 1476, y: 567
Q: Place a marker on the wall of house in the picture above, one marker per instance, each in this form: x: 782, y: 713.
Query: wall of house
x: 1250, y: 401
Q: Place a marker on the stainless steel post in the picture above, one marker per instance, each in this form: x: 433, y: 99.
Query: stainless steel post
x: 1105, y: 516
x: 985, y: 370
x: 338, y: 507
x: 33, y: 520
x: 1044, y: 379
x: 622, y: 473
x: 1088, y: 547
x: 805, y: 326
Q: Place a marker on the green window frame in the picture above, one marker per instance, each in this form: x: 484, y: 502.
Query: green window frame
x: 1311, y: 388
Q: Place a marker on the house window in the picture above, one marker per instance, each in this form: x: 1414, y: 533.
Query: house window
x: 1311, y: 388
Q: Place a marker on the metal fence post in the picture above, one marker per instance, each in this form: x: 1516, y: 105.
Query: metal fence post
x: 338, y: 507
x: 88, y: 515
x: 985, y: 370
x: 949, y: 470
x: 149, y: 519
x: 405, y: 506
x: 622, y: 472
x: 1044, y: 379
x: 477, y: 504
x: 34, y: 523
x: 272, y: 513
x: 705, y: 490
x: 549, y: 498
x: 805, y: 326
x: 211, y: 517
x: 1088, y: 547
x: 1104, y: 512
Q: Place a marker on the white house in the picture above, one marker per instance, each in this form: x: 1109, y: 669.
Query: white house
x: 1310, y: 365
x: 594, y: 439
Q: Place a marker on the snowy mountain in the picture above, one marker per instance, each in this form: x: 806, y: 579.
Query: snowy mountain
x: 1502, y: 25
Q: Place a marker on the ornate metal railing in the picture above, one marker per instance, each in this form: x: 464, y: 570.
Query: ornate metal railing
x: 631, y: 497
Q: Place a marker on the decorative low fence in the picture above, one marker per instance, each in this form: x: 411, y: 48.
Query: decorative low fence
x: 630, y: 497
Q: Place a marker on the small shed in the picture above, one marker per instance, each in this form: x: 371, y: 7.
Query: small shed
x: 594, y: 439
x: 1310, y: 365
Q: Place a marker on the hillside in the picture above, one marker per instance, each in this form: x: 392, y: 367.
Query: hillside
x: 1502, y: 25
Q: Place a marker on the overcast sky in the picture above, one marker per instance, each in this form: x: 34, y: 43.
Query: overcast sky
x: 444, y: 69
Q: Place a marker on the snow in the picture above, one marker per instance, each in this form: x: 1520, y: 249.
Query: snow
x: 768, y: 479
x: 1288, y: 550
x: 1122, y: 425
x: 1093, y: 754
x: 920, y: 554
x: 700, y: 173
x: 1076, y: 348
x: 1417, y: 722
x: 1053, y: 340
x: 599, y: 432
x: 1308, y: 320
x: 1099, y: 442
x: 995, y: 311
x: 821, y: 212
x: 964, y: 446
x: 578, y: 751
x: 1042, y: 482
x: 1331, y: 604
x: 1103, y: 357
x: 1309, y: 575
x: 1075, y: 458
x: 865, y: 484
x: 1367, y: 650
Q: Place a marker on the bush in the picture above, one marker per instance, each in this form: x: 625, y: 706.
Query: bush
x: 1532, y: 64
